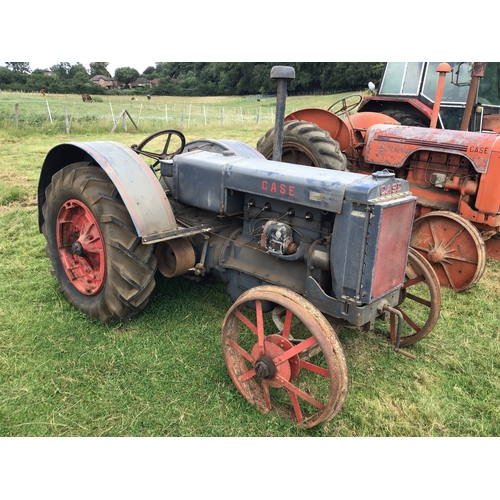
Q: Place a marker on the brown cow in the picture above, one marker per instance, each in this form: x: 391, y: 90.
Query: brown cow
x: 86, y: 98
x: 44, y: 91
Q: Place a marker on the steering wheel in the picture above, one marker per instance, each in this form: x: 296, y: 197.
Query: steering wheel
x: 158, y: 146
x: 346, y: 108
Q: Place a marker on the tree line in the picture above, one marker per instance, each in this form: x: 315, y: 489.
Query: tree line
x: 193, y: 78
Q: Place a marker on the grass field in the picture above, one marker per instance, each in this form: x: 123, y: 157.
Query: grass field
x: 163, y: 373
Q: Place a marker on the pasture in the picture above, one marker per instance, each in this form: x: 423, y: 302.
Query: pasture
x: 52, y: 113
x: 163, y: 373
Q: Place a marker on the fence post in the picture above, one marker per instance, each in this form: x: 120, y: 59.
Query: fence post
x: 16, y: 116
x: 67, y: 119
x: 48, y: 108
x: 139, y: 117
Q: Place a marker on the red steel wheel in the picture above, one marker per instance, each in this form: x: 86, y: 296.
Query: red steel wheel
x: 298, y: 370
x: 453, y: 246
x: 81, y: 247
x: 420, y: 300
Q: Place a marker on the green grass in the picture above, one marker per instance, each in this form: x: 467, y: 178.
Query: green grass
x: 163, y: 373
x: 48, y: 114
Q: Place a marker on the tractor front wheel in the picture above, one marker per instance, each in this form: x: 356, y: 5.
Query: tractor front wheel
x: 289, y: 360
x: 102, y: 267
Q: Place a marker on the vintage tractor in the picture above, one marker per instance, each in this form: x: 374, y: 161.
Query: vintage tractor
x: 454, y: 175
x: 302, y: 252
x: 470, y: 98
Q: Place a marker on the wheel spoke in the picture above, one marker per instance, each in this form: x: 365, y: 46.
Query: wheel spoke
x: 240, y: 350
x: 300, y: 393
x: 413, y: 281
x: 296, y: 406
x: 260, y: 327
x: 245, y: 321
x: 294, y: 351
x: 408, y: 320
x: 314, y: 368
x: 287, y: 324
x: 248, y: 375
x: 267, y: 397
x: 420, y: 300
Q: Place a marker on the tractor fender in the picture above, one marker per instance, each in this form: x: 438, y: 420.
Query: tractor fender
x: 325, y: 120
x: 134, y: 180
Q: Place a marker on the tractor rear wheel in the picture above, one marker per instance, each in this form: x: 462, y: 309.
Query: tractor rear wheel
x: 304, y: 143
x: 102, y: 267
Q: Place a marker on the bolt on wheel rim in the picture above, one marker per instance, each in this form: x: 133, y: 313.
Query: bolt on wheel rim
x: 81, y: 247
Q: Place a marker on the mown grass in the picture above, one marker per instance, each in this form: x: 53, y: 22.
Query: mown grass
x: 163, y: 373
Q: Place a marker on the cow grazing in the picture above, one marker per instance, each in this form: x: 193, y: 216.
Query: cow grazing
x: 44, y: 91
x: 86, y: 98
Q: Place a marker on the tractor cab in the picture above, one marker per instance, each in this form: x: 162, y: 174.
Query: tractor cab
x: 407, y: 92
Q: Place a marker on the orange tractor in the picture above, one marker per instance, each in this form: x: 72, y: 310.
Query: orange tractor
x: 455, y: 174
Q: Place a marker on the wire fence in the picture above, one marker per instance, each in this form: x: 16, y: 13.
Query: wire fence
x: 71, y: 112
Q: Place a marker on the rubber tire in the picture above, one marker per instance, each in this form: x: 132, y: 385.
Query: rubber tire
x: 308, y: 138
x: 403, y: 118
x: 130, y: 265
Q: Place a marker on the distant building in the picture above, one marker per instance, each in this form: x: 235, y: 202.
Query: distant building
x: 104, y: 81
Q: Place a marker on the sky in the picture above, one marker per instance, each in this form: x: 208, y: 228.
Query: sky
x: 137, y: 35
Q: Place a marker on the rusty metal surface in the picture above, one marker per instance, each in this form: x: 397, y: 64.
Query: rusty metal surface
x: 391, y: 145
x: 325, y: 120
x: 257, y: 358
x: 174, y: 257
x: 493, y: 248
x: 138, y: 186
x: 453, y: 246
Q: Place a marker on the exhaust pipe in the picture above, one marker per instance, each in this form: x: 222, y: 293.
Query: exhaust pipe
x: 282, y: 74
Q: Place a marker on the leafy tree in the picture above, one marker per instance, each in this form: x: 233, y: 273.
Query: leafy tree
x: 99, y: 68
x: 62, y: 70
x: 126, y: 75
x: 21, y: 67
x: 78, y: 69
x: 36, y: 81
x: 5, y: 76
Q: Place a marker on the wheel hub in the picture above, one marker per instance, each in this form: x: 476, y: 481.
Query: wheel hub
x: 81, y: 249
x: 438, y: 253
x: 77, y: 248
x: 264, y: 367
